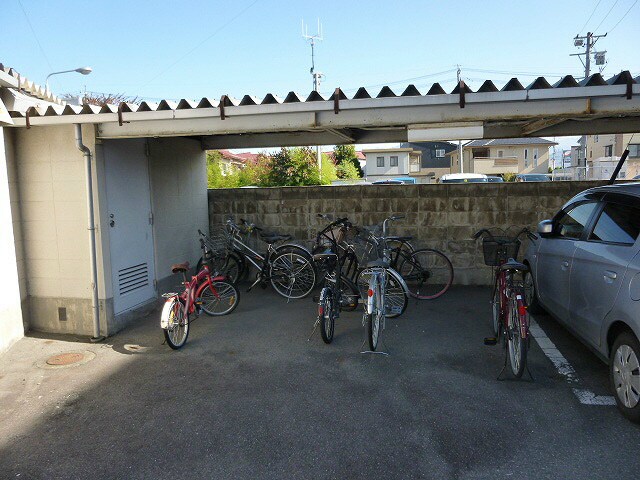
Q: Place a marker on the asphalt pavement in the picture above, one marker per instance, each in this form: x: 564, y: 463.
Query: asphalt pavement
x: 250, y: 397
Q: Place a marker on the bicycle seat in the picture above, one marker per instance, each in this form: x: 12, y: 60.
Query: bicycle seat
x: 512, y: 264
x: 379, y: 263
x: 180, y: 267
x: 400, y: 239
x: 274, y: 238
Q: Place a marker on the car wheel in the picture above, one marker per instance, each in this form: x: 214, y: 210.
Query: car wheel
x: 624, y: 372
x: 530, y: 294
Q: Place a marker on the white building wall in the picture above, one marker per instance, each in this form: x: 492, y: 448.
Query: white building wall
x: 53, y: 213
x: 372, y: 170
x: 179, y: 201
x: 11, y: 319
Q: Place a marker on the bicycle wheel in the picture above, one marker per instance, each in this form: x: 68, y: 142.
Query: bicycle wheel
x: 396, y: 296
x: 228, y: 265
x: 177, y: 330
x: 223, y: 299
x: 349, y: 296
x: 326, y: 314
x: 373, y: 323
x: 427, y: 272
x: 496, y: 321
x: 292, y: 273
x: 516, y: 345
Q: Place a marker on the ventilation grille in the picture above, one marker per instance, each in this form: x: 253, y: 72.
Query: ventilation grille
x: 133, y: 278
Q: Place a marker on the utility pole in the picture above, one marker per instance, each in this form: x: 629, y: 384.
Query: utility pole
x: 588, y: 42
x: 317, y: 76
x: 459, y: 142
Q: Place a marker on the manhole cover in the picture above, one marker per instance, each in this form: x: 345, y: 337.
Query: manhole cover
x: 65, y: 359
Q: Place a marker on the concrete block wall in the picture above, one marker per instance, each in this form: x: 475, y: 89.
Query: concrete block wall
x: 442, y: 216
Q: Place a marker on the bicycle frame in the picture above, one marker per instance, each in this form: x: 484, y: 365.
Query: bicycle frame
x: 194, y: 288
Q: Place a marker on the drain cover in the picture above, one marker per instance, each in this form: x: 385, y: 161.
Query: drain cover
x: 65, y: 359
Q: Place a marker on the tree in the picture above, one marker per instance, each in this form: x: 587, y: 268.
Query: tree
x: 346, y: 155
x: 293, y: 166
x: 100, y: 99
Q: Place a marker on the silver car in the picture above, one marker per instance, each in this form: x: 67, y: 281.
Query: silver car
x: 585, y: 271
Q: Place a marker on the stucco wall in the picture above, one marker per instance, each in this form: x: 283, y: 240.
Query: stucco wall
x: 442, y: 216
x: 13, y: 291
x: 179, y: 201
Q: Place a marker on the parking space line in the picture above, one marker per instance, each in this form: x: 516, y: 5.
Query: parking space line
x: 584, y: 396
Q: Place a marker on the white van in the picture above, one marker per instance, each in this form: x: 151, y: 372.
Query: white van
x: 464, y: 178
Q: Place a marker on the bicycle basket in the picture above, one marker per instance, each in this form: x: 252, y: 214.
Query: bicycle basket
x: 218, y: 242
x: 499, y: 249
x: 366, y: 249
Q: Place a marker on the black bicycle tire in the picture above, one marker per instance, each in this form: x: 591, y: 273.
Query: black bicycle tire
x: 167, y: 337
x: 326, y: 303
x: 516, y: 370
x: 235, y: 302
x: 447, y: 264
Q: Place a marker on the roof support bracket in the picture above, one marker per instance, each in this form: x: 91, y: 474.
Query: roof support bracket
x: 120, y: 110
x: 28, y: 113
x: 461, y: 88
x: 336, y: 101
x: 629, y: 88
x: 223, y: 99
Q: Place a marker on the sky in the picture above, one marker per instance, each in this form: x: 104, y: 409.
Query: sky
x: 192, y: 49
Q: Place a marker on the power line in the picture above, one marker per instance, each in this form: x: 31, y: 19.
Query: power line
x: 590, y: 16
x: 605, y: 17
x: 524, y: 74
x: 35, y: 36
x: 201, y: 43
x: 396, y: 82
x: 632, y: 5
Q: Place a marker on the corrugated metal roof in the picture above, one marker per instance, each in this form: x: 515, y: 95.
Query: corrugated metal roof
x: 509, y: 141
x: 249, y: 101
x: 10, y: 78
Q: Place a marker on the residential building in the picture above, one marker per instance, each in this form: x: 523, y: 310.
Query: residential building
x: 389, y: 163
x: 230, y: 161
x: 500, y: 156
x: 604, y: 152
x: 434, y: 160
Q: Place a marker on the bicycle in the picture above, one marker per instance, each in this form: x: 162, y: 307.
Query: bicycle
x: 215, y: 296
x: 427, y: 272
x: 510, y: 319
x: 216, y: 256
x: 289, y: 267
x: 377, y: 277
x: 338, y: 293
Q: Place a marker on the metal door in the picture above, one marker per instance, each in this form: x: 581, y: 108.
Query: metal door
x: 130, y: 223
x: 553, y: 265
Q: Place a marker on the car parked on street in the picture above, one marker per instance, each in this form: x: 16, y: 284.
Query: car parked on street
x: 585, y: 271
x: 532, y: 177
x: 494, y: 179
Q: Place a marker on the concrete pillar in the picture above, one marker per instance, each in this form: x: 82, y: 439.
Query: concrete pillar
x: 11, y: 326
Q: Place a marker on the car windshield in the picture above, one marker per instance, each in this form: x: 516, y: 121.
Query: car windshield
x: 534, y: 178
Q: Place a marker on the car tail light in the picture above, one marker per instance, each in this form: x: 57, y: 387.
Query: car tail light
x: 370, y: 293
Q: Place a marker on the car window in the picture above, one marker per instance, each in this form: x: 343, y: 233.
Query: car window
x: 572, y: 222
x: 617, y: 223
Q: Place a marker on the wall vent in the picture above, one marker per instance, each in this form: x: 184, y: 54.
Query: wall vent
x: 133, y: 278
x: 62, y: 314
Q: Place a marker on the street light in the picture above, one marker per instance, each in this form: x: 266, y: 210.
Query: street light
x: 82, y: 70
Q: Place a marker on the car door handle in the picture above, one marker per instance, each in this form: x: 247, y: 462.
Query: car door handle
x: 609, y: 276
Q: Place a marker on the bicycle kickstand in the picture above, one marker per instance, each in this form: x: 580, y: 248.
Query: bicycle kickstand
x: 315, y: 327
x: 504, y: 366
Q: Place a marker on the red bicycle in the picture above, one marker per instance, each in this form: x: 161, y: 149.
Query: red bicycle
x: 213, y: 295
x: 510, y: 316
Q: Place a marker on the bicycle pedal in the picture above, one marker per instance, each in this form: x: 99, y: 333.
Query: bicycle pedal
x: 490, y: 341
x: 316, y: 298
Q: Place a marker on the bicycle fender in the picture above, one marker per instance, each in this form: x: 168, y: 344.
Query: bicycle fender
x: 399, y: 279
x: 166, y: 311
x: 296, y: 246
x: 371, y: 298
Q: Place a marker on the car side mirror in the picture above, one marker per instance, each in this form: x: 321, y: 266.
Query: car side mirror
x: 545, y: 228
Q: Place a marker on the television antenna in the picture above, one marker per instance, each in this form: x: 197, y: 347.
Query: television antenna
x: 317, y: 76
